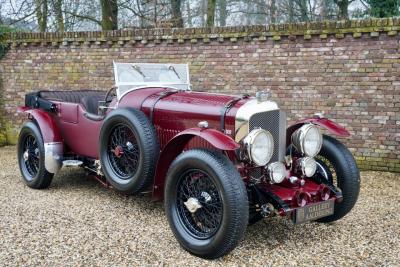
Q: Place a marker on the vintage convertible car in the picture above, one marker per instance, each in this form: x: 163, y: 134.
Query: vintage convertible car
x: 220, y: 162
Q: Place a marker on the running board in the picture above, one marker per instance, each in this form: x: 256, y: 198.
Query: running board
x: 72, y: 163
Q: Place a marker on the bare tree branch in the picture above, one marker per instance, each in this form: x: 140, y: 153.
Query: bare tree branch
x: 85, y: 17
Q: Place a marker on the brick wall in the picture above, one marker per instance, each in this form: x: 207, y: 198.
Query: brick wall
x: 349, y: 70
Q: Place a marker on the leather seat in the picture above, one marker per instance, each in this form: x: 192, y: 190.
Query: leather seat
x: 91, y: 103
x: 88, y: 98
x: 69, y: 96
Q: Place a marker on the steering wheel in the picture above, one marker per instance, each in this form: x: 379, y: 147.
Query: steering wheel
x: 112, y: 92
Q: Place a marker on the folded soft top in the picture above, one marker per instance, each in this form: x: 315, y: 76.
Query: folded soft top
x: 43, y: 99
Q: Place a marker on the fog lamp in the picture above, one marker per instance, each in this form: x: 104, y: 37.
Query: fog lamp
x: 308, y: 166
x: 276, y: 172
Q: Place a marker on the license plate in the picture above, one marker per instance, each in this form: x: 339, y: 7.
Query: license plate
x: 314, y: 211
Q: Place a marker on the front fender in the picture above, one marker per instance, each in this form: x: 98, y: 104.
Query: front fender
x: 327, y: 124
x: 215, y: 138
x: 176, y: 145
x: 52, y: 139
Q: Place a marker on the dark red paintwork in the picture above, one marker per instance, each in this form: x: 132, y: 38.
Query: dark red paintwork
x: 47, y: 124
x: 327, y: 124
x: 216, y: 138
x: 175, y: 118
x: 183, y: 110
x: 80, y: 134
x: 331, y: 126
x: 178, y: 143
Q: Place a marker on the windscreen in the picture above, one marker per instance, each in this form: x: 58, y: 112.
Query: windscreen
x: 130, y: 76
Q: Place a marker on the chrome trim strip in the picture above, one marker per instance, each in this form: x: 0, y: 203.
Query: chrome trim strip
x: 247, y: 110
x: 282, y: 135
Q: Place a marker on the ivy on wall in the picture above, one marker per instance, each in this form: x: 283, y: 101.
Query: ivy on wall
x: 3, y: 43
x: 5, y: 135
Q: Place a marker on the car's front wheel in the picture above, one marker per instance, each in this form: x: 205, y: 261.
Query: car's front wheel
x: 336, y: 164
x: 206, y: 203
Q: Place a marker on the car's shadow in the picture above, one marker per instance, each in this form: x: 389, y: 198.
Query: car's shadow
x: 78, y: 179
x: 268, y: 233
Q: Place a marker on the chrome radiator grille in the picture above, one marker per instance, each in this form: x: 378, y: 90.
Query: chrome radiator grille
x: 275, y: 122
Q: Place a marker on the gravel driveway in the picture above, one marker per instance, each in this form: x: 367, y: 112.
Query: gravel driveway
x: 79, y: 223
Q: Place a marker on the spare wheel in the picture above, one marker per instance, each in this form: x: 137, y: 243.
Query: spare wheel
x: 128, y: 150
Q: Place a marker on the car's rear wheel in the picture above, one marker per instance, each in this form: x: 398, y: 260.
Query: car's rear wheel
x: 336, y: 164
x: 31, y: 157
x: 206, y: 203
x: 128, y: 150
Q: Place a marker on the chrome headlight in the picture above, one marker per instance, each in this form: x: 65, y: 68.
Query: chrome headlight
x: 276, y: 172
x: 308, y: 166
x: 308, y: 140
x: 258, y: 146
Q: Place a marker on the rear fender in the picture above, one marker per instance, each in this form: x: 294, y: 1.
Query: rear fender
x: 324, y: 123
x: 52, y: 139
x: 177, y: 144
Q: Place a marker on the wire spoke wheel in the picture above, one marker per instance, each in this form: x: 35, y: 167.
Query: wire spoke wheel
x: 123, y: 151
x: 328, y: 170
x: 196, y: 187
x: 206, y: 203
x: 129, y: 150
x: 30, y: 155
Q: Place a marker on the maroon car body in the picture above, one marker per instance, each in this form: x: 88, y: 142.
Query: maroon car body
x: 184, y: 120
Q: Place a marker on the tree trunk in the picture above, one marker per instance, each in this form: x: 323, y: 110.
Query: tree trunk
x: 202, y: 12
x: 59, y: 15
x: 143, y: 11
x: 291, y: 11
x: 222, y: 14
x: 343, y: 6
x: 210, y: 13
x: 324, y: 9
x: 248, y: 16
x: 328, y: 10
x: 109, y: 15
x: 177, y: 19
x: 303, y: 10
x: 189, y: 14
x: 42, y: 14
x: 272, y: 11
x: 155, y: 14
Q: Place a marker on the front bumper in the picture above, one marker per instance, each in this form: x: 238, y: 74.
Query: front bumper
x: 287, y: 198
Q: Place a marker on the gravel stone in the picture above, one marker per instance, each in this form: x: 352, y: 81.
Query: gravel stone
x: 77, y: 222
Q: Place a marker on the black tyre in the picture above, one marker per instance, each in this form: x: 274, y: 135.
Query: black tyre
x: 337, y: 164
x: 206, y: 203
x: 31, y: 157
x: 254, y: 218
x: 128, y: 150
